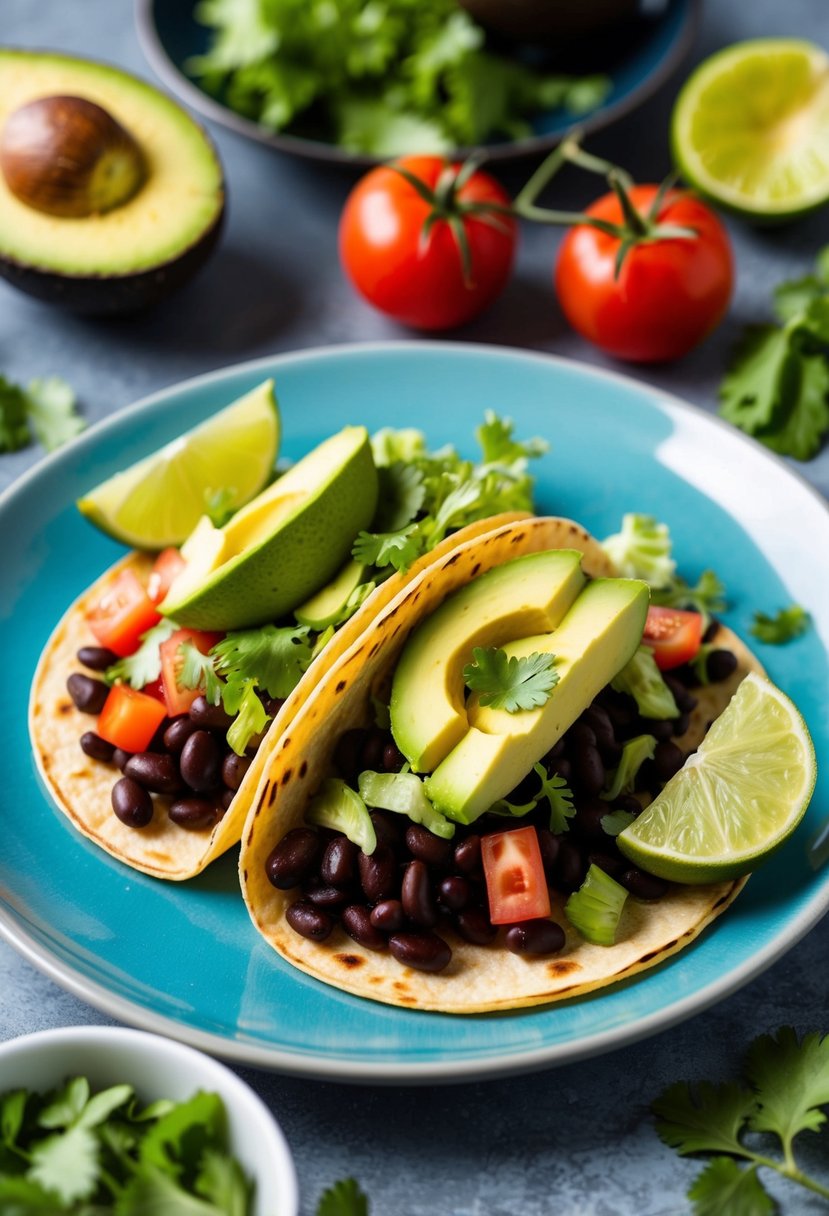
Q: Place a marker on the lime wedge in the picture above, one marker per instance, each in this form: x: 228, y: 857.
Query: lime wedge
x: 750, y: 128
x: 734, y: 800
x: 158, y: 501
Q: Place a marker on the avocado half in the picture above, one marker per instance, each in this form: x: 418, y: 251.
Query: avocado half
x: 135, y: 254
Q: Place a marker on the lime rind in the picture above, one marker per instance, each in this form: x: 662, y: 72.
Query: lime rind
x: 736, y: 799
x: 158, y: 501
x: 750, y: 129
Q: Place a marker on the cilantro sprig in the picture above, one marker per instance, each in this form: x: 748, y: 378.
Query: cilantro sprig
x: 72, y: 1152
x: 777, y: 387
x: 510, y: 682
x: 784, y: 626
x: 45, y: 411
x: 784, y: 1090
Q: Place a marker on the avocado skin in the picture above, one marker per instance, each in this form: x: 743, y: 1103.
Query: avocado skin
x: 105, y: 295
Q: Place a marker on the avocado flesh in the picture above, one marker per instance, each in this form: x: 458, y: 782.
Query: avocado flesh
x: 527, y: 596
x: 178, y: 207
x: 283, y: 545
x: 323, y: 609
x: 599, y: 634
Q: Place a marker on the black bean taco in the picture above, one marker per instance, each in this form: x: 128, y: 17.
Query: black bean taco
x: 375, y: 843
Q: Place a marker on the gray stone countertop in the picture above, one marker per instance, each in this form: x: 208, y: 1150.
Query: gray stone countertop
x: 577, y: 1140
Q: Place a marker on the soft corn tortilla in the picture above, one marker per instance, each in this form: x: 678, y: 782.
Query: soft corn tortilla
x: 82, y: 787
x: 479, y: 978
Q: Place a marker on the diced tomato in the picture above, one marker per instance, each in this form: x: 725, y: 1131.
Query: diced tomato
x: 122, y: 614
x: 514, y: 873
x: 180, y: 699
x: 130, y: 718
x: 168, y: 565
x: 155, y: 689
x: 673, y: 634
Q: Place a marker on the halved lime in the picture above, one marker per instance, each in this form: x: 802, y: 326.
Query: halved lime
x: 158, y: 501
x: 750, y: 128
x: 736, y: 799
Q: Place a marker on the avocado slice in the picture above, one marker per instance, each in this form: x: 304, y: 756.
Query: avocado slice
x: 135, y: 253
x: 283, y: 545
x: 527, y: 596
x: 325, y: 607
x: 597, y: 637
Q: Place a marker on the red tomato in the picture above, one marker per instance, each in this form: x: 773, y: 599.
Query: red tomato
x: 178, y: 699
x: 669, y: 294
x: 673, y: 635
x: 514, y: 873
x: 123, y: 613
x: 168, y: 565
x: 155, y: 689
x: 129, y: 718
x: 410, y: 267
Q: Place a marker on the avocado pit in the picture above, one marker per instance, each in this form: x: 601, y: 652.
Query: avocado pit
x: 67, y: 156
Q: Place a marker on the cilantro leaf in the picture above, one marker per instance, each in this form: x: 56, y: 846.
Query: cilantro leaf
x: 804, y: 413
x: 509, y: 682
x: 390, y: 446
x: 14, y: 427
x: 615, y: 822
x: 724, y: 1187
x: 197, y: 670
x: 67, y: 1163
x: 398, y: 549
x: 51, y: 409
x: 12, y: 1108
x: 559, y: 797
x: 155, y: 1190
x: 792, y: 1082
x: 66, y: 1105
x: 495, y: 435
x: 757, y: 379
x: 400, y: 498
x: 22, y: 1197
x: 344, y: 1198
x: 222, y: 1182
x: 275, y: 658
x: 706, y: 596
x: 144, y: 665
x: 784, y: 626
x: 705, y: 1118
x: 249, y: 714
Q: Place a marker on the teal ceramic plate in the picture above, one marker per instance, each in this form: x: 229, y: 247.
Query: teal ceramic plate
x: 638, y: 58
x: 184, y: 959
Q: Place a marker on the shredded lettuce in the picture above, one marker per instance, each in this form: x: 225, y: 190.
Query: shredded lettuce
x: 641, y: 679
x: 405, y: 794
x: 642, y: 549
x: 634, y: 754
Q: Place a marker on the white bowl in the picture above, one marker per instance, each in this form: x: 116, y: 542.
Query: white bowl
x: 160, y: 1068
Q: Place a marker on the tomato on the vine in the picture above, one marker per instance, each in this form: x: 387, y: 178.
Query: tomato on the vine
x: 673, y: 634
x: 649, y: 296
x: 428, y: 243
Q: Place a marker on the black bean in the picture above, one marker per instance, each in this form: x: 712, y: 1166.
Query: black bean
x: 234, y: 769
x: 549, y: 846
x: 156, y: 771
x: 387, y: 915
x: 201, y: 762
x: 712, y: 630
x: 455, y: 892
x: 88, y: 694
x: 309, y: 921
x: 563, y: 767
x: 120, y: 758
x: 422, y: 951
x: 205, y: 714
x: 660, y: 728
x: 587, y: 823
x: 535, y: 937
x: 273, y: 705
x: 474, y: 926
x: 556, y: 750
x: 373, y: 748
x: 720, y: 664
x: 328, y: 897
x: 96, y: 747
x: 599, y: 720
x: 643, y: 886
x: 621, y: 709
x: 293, y: 858
x: 389, y: 828
x: 468, y: 854
x: 580, y: 735
x: 339, y: 862
x: 348, y: 753
x: 416, y: 895
x: 225, y: 799
x: 393, y: 758
x: 356, y: 920
x: 378, y: 873
x: 428, y: 847
x: 686, y: 701
x: 194, y: 814
x: 131, y: 803
x: 612, y: 864
x: 628, y: 802
x: 177, y: 732
x: 589, y: 770
x: 681, y: 724
x: 570, y: 868
x: 97, y: 658
x: 667, y: 760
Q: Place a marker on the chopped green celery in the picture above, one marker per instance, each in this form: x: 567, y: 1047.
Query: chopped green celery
x: 642, y: 680
x: 634, y: 754
x: 404, y: 794
x: 340, y: 808
x: 596, y: 908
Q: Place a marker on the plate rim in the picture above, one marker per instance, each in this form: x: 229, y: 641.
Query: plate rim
x: 155, y: 52
x: 384, y: 1072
